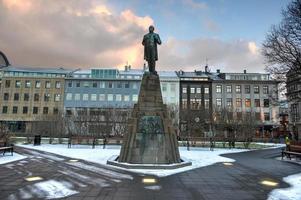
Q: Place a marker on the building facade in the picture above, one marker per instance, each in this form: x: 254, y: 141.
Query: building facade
x: 29, y: 95
x: 205, y: 96
x: 248, y: 93
x: 293, y: 86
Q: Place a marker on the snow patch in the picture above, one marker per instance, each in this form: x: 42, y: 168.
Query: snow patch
x: 153, y: 187
x: 292, y: 193
x: 101, y: 171
x: 6, y: 159
x: 54, y: 190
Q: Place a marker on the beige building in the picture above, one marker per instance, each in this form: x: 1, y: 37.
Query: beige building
x: 30, y: 95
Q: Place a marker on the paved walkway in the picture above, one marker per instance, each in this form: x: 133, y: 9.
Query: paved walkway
x: 93, y: 181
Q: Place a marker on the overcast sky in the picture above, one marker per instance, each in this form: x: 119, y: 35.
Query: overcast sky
x: 95, y: 33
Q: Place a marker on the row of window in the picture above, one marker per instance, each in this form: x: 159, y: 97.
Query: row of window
x: 256, y: 89
x: 197, y: 90
x: 25, y: 110
x: 101, y: 97
x: 36, y: 97
x: 238, y: 102
x: 28, y: 84
x: 197, y: 103
x: 102, y: 84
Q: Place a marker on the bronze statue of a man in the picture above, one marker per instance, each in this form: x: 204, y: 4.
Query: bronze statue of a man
x: 150, y: 42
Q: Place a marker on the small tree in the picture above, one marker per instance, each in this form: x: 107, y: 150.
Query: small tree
x: 4, y: 133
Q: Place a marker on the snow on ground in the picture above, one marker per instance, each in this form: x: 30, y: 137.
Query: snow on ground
x: 8, y: 158
x: 200, y: 157
x: 50, y: 189
x: 292, y: 193
x: 271, y: 145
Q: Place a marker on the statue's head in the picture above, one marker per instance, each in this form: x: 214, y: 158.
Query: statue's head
x: 151, y: 28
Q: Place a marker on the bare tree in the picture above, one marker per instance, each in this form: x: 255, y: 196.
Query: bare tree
x: 282, y: 47
x: 4, y: 133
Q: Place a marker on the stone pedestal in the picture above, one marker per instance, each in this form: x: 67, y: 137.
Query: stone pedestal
x: 151, y: 139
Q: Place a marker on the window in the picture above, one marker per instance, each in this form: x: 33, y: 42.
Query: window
x: 16, y: 97
x: 47, y: 84
x: 218, y: 102
x: 93, y: 97
x: 94, y: 84
x: 206, y: 101
x: 102, y: 97
x: 248, y: 103
x: 69, y: 96
x: 4, y: 109
x: 38, y: 84
x: 27, y: 84
x: 77, y: 84
x: 238, y: 102
x: 256, y: 89
x: 18, y: 84
x: 164, y: 87
x: 266, y: 116
x: 57, y: 97
x: 55, y: 111
x: 126, y: 97
x: 265, y: 89
x: 229, y: 102
x: 258, y: 116
x: 119, y: 84
x: 238, y: 88
x: 218, y: 89
x: 35, y: 110
x: 15, y: 109
x: 47, y: 97
x: 85, y: 97
x: 57, y: 84
x: 25, y: 110
x: 198, y: 90
x: 110, y: 97
x: 206, y: 90
x: 77, y: 97
x: 229, y: 88
x: 257, y: 102
x: 184, y: 90
x: 135, y: 86
x: 118, y: 97
x: 247, y: 89
x: 26, y: 97
x: 6, y: 97
x: 192, y: 90
x: 86, y: 84
x: 126, y: 85
x: 69, y: 112
x: 36, y: 97
x: 7, y: 83
x: 102, y: 84
x: 70, y: 84
x: 135, y: 97
x: 184, y: 104
x: 111, y: 85
x: 45, y: 110
x: 266, y: 103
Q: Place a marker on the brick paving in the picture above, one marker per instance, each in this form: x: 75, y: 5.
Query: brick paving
x: 94, y: 181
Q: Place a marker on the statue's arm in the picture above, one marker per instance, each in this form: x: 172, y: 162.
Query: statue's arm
x: 158, y: 39
x: 143, y: 41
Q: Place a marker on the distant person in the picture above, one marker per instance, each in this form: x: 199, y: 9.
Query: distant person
x: 104, y: 142
x: 287, y: 142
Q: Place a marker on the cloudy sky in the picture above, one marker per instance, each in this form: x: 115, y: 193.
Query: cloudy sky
x: 100, y: 33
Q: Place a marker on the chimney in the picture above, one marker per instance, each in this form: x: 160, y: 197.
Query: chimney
x: 218, y: 71
x: 245, y: 71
